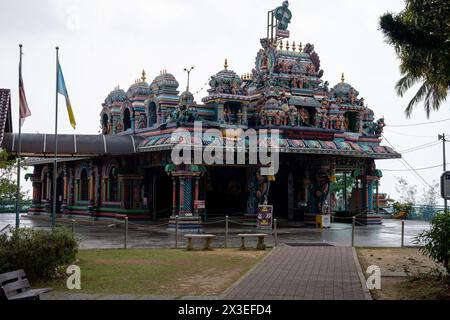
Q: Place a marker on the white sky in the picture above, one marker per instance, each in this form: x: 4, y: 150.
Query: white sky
x: 105, y: 43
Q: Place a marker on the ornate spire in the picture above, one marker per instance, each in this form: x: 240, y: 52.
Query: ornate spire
x: 293, y: 46
x: 300, y: 47
x: 143, y: 78
x: 226, y: 64
x: 343, y: 78
x: 287, y: 45
x: 281, y: 45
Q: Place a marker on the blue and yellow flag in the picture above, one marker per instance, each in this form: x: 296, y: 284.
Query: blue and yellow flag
x: 63, y: 90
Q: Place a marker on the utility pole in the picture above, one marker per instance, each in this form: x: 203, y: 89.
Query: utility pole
x: 444, y: 140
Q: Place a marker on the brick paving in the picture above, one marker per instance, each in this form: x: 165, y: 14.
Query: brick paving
x: 302, y: 273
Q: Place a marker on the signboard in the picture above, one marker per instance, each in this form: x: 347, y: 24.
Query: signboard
x: 265, y: 217
x: 199, y: 204
x: 445, y: 185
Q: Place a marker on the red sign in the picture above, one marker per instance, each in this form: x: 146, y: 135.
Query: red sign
x: 199, y: 204
x: 309, y: 135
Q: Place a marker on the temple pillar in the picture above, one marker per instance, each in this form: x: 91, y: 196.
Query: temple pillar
x: 196, y: 194
x: 37, y: 206
x: 65, y: 191
x: 220, y: 114
x: 188, y: 192
x: 91, y: 191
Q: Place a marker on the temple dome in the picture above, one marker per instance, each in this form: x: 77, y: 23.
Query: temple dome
x: 224, y: 81
x: 187, y: 98
x: 164, y: 81
x: 344, y: 89
x: 272, y: 104
x: 117, y: 95
x: 139, y: 88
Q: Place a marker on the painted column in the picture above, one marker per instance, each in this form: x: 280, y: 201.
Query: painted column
x: 220, y: 115
x: 196, y: 194
x: 181, y: 195
x: 370, y: 196
x: 91, y: 191
x: 188, y: 196
x: 357, y: 191
x: 377, y: 196
x: 65, y: 190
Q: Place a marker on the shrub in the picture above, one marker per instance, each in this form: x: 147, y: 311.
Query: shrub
x: 435, y: 242
x: 402, y: 207
x: 38, y: 252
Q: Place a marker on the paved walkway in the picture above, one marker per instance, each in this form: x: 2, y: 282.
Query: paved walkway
x: 303, y: 273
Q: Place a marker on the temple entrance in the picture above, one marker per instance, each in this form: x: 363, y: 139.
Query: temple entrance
x: 160, y: 194
x: 126, y: 120
x: 278, y: 195
x: 226, y: 191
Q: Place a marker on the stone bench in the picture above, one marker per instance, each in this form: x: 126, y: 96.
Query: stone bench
x: 208, y: 240
x: 260, y: 244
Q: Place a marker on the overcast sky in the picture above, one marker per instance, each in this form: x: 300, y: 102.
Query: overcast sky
x: 105, y: 43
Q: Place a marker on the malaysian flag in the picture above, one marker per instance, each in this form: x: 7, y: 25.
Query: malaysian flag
x: 23, y: 104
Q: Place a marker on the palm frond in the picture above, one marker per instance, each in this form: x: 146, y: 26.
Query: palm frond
x: 419, y: 96
x: 405, y: 83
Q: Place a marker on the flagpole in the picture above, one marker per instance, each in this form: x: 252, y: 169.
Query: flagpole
x: 19, y: 151
x: 55, y: 161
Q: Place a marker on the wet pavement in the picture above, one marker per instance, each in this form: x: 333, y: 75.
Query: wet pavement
x: 111, y: 234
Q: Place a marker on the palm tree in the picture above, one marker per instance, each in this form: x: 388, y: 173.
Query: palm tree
x: 421, y: 37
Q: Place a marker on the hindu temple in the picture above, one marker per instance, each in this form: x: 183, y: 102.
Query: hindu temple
x: 326, y: 132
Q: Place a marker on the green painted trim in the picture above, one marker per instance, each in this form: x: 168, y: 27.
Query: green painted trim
x: 119, y: 210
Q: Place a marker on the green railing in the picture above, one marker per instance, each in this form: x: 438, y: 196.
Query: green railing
x: 10, y: 206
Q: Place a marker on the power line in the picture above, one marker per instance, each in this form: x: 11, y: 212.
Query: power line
x: 417, y: 169
x: 406, y: 164
x: 417, y: 124
x: 421, y: 147
x: 410, y: 135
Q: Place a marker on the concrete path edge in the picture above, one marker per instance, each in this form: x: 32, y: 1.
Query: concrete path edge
x: 362, y: 278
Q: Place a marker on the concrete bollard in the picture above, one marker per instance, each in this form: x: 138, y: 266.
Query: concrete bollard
x: 226, y: 232
x: 275, y: 230
x: 125, y: 242
x: 403, y: 233
x: 176, y: 232
x: 353, y: 231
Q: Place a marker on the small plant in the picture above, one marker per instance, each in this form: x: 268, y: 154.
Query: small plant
x: 39, y: 252
x: 402, y: 207
x: 435, y: 243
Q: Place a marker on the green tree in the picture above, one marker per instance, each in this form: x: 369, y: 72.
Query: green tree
x: 8, y: 179
x: 421, y: 37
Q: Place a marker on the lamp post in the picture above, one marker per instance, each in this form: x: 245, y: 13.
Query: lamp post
x: 444, y: 140
x: 189, y: 76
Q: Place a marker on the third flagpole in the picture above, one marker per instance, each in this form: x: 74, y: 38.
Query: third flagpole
x: 55, y: 162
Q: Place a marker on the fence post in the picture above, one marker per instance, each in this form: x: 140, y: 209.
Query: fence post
x: 226, y: 232
x: 125, y: 243
x: 353, y: 230
x: 275, y: 227
x: 403, y: 233
x: 176, y: 232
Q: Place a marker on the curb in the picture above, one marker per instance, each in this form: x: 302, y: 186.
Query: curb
x: 362, y: 278
x: 234, y: 285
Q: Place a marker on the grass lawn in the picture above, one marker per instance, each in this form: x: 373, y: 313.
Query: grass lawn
x: 421, y: 282
x: 160, y: 271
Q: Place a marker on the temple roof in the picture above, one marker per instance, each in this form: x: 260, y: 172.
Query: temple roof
x: 43, y: 145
